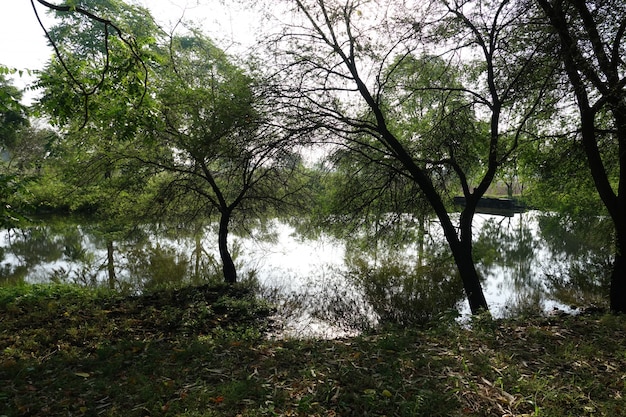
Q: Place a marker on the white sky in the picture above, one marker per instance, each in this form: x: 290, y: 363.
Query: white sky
x: 23, y: 45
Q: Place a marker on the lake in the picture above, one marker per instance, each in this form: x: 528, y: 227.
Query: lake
x: 531, y: 263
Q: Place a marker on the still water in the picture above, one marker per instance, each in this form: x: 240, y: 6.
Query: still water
x: 531, y: 263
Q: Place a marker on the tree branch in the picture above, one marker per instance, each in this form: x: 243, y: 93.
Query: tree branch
x: 107, y: 24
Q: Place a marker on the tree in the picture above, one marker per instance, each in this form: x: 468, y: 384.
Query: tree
x: 591, y: 52
x: 13, y: 121
x: 359, y: 58
x: 85, y: 32
x: 214, y: 149
x: 13, y: 114
x: 201, y: 140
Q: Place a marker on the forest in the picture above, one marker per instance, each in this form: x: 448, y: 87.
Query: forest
x: 414, y: 136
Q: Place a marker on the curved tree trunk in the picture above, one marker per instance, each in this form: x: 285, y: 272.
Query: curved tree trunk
x: 228, y: 266
x: 469, y: 276
x: 461, y: 248
x: 460, y: 243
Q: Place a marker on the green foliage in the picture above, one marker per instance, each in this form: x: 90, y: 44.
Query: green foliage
x: 427, y: 109
x: 93, y: 95
x: 430, y: 111
x: 101, y: 73
x: 13, y: 124
x: 207, y: 115
x: 10, y: 185
x: 361, y: 196
x: 13, y: 114
x: 557, y: 177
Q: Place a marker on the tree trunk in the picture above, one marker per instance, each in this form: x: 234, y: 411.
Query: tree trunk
x: 461, y: 248
x: 110, y: 264
x: 470, y: 279
x: 614, y: 202
x: 617, y: 294
x: 462, y: 253
x: 460, y: 244
x: 228, y: 266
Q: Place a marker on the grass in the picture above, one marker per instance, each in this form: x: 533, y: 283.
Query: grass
x: 67, y: 351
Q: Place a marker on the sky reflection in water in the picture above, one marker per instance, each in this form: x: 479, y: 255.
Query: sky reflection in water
x: 527, y: 262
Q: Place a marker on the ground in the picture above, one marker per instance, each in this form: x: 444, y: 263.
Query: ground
x: 205, y: 352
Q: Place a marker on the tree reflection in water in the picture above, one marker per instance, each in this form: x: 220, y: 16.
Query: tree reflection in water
x: 530, y: 263
x: 581, y: 250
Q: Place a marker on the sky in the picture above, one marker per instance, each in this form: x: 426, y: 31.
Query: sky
x: 23, y: 44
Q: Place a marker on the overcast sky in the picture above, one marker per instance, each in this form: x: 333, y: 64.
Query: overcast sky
x: 23, y: 45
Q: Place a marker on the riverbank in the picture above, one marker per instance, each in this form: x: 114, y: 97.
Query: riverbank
x: 204, y: 352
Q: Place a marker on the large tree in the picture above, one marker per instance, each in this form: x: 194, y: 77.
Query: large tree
x: 214, y: 147
x: 352, y: 65
x: 592, y: 49
x: 199, y: 135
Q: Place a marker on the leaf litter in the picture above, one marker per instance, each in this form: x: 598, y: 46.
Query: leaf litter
x: 204, y: 351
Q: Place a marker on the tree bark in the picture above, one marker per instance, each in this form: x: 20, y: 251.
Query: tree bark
x: 461, y: 248
x: 110, y: 264
x: 228, y: 266
x: 469, y: 276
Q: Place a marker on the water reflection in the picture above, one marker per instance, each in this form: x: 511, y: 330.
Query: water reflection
x: 405, y: 281
x: 536, y: 262
x: 530, y: 262
x: 579, y: 268
x: 511, y: 256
